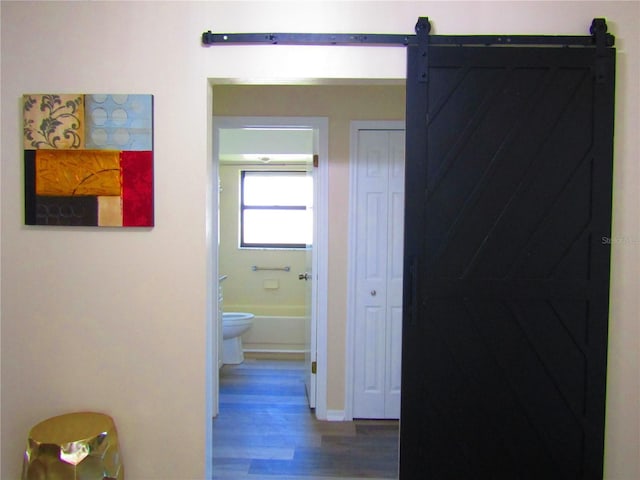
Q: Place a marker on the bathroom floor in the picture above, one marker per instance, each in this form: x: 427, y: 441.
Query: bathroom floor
x: 266, y: 430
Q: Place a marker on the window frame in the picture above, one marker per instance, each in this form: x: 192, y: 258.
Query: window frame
x: 243, y: 207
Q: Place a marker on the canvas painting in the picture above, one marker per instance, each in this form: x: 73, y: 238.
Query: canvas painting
x: 88, y: 160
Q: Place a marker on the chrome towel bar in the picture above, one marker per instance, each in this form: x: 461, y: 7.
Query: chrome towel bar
x: 284, y: 269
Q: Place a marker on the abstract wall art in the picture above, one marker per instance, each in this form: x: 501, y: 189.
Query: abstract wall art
x: 88, y: 160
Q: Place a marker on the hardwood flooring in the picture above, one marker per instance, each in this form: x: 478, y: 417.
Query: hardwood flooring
x: 265, y: 430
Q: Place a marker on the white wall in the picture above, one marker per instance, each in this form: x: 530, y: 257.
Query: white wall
x: 117, y: 320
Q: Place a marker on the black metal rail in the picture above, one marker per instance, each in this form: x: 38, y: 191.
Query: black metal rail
x: 598, y: 30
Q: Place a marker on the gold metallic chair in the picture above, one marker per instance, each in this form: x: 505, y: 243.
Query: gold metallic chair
x: 75, y: 446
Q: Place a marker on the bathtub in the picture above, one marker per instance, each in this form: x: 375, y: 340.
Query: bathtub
x: 276, y: 329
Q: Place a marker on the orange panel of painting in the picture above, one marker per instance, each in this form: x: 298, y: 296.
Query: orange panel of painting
x: 77, y: 172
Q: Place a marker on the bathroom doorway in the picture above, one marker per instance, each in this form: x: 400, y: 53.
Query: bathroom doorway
x: 273, y: 271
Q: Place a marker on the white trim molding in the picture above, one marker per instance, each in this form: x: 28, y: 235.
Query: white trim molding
x: 336, y: 416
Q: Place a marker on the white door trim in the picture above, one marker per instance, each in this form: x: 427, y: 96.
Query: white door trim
x: 320, y: 248
x: 355, y: 127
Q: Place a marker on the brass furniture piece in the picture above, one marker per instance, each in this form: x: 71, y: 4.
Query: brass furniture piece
x: 75, y: 446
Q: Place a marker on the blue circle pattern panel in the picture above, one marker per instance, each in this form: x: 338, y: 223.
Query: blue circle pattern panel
x: 119, y: 122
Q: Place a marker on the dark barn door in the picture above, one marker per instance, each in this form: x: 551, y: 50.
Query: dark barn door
x: 508, y: 212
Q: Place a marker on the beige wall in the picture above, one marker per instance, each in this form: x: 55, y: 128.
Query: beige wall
x: 119, y: 320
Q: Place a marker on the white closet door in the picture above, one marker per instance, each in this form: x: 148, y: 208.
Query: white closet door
x: 395, y: 264
x: 378, y: 290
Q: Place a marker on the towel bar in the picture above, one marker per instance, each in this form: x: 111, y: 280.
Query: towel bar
x: 284, y: 269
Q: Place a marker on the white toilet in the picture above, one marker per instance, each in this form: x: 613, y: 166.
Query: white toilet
x: 234, y: 324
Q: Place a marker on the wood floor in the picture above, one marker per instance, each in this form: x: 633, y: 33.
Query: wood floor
x: 266, y: 430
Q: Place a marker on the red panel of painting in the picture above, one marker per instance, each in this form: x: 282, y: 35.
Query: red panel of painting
x: 137, y: 188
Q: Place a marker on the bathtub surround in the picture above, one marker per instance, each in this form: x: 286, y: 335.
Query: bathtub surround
x: 275, y: 330
x: 276, y: 334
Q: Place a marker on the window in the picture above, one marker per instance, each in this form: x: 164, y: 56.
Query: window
x: 273, y: 209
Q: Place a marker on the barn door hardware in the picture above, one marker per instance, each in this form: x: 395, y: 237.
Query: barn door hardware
x: 598, y: 37
x: 423, y: 28
x: 602, y: 41
x: 209, y: 38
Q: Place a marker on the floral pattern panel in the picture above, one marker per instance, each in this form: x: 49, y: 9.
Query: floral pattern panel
x: 88, y: 160
x: 53, y: 121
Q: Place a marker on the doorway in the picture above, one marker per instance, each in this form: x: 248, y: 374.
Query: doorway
x: 280, y: 143
x: 339, y: 103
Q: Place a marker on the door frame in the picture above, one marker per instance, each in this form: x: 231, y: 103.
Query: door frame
x: 320, y: 126
x: 355, y: 127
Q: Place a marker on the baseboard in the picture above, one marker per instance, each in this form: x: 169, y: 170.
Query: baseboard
x: 336, y: 416
x: 274, y: 354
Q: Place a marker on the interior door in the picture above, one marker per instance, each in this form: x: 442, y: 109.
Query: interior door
x: 310, y: 355
x: 379, y: 203
x: 508, y: 187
